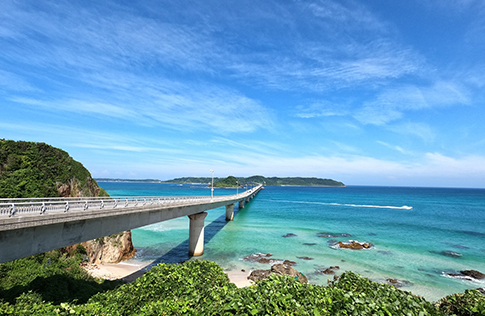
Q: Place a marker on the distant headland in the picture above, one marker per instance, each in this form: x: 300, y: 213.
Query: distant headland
x: 231, y: 181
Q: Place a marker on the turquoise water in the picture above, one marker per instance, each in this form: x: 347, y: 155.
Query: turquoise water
x: 411, y: 230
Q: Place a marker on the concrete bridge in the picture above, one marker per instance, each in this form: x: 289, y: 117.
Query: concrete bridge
x: 36, y: 225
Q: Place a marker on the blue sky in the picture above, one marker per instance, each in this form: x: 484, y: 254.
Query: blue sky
x: 370, y: 92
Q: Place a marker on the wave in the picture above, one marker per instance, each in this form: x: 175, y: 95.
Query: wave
x: 404, y: 207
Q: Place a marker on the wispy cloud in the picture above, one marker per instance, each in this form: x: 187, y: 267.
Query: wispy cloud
x: 391, y: 104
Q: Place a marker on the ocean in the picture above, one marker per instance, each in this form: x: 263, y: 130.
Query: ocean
x: 418, y: 235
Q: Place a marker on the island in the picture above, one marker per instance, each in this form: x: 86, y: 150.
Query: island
x: 230, y: 181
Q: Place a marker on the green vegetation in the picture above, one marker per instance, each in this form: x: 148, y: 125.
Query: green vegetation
x: 128, y: 180
x: 202, y: 288
x: 472, y: 302
x: 54, y: 276
x: 192, y: 180
x: 30, y: 169
x: 229, y: 182
x: 273, y: 181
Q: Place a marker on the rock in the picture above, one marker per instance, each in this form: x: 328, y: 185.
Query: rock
x: 283, y: 269
x: 353, y: 244
x: 398, y: 283
x: 109, y: 249
x: 288, y: 262
x: 257, y: 257
x: 346, y: 235
x: 450, y: 253
x: 392, y: 281
x: 265, y: 260
x: 330, y: 270
x: 474, y: 274
x: 289, y: 235
x: 327, y: 235
x: 305, y: 258
x: 278, y: 269
x: 309, y: 244
x: 482, y: 290
x: 258, y: 275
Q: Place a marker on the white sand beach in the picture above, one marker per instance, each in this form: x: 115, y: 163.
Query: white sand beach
x: 131, y: 270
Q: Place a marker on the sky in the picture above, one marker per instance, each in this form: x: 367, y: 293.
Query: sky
x: 371, y: 92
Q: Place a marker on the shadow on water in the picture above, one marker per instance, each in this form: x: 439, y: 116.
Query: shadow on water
x: 180, y: 252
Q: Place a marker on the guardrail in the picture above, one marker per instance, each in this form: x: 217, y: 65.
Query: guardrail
x: 41, y: 206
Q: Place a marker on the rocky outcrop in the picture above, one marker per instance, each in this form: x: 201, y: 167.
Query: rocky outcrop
x: 353, y: 244
x: 474, y: 274
x: 109, y: 249
x: 278, y: 269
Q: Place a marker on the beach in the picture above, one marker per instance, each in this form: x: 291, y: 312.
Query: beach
x: 129, y: 271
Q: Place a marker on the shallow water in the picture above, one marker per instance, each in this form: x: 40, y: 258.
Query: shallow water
x: 417, y: 233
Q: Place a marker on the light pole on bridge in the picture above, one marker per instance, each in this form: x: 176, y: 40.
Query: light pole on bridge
x: 212, y: 186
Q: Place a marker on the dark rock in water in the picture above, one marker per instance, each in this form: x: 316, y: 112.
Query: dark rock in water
x: 327, y: 235
x: 332, y: 241
x: 474, y: 274
x: 258, y: 275
x: 372, y: 234
x: 242, y: 270
x: 452, y: 254
x: 309, y: 244
x: 398, y: 283
x: 330, y: 270
x: 422, y: 270
x: 289, y: 235
x: 305, y: 258
x: 353, y: 244
x: 392, y: 281
x: 346, y: 235
x: 288, y: 262
x: 265, y: 260
x: 278, y: 269
x: 259, y: 257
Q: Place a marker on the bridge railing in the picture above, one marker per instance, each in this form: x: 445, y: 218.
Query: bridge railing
x: 40, y: 206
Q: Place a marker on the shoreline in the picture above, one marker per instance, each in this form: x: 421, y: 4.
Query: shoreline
x: 128, y: 271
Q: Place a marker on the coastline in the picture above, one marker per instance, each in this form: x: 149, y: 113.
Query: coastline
x: 128, y: 271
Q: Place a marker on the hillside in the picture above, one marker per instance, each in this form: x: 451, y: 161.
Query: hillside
x: 29, y: 169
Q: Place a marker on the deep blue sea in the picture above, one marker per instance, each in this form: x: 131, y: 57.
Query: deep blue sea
x: 419, y: 234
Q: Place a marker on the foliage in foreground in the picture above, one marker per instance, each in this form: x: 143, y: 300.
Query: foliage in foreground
x: 470, y: 303
x: 202, y: 288
x: 52, y: 276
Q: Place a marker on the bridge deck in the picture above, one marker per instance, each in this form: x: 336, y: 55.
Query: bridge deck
x: 30, y: 226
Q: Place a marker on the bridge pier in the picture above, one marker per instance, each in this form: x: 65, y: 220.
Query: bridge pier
x: 241, y: 204
x: 247, y: 199
x: 229, y: 212
x: 196, y: 234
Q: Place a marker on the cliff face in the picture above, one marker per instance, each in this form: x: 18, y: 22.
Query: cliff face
x: 30, y: 169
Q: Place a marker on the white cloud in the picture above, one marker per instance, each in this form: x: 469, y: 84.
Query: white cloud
x: 391, y: 104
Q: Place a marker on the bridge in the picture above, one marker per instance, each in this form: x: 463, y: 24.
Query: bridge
x: 36, y: 225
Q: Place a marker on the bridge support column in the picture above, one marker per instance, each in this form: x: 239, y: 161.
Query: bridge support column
x: 241, y: 204
x: 247, y: 199
x: 229, y: 212
x: 196, y: 234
